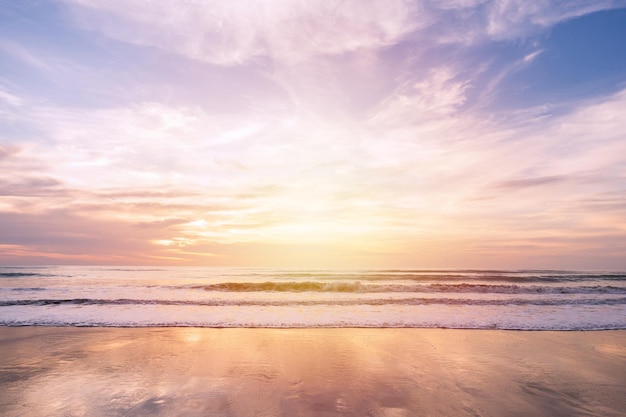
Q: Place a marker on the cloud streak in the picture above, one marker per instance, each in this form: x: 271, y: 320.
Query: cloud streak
x: 225, y: 33
x: 229, y: 34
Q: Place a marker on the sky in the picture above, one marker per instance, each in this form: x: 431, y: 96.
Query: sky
x: 317, y: 134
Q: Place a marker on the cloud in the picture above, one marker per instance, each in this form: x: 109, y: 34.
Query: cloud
x: 531, y: 182
x: 8, y: 151
x: 162, y: 224
x: 24, y: 54
x: 477, y: 21
x: 145, y: 143
x: 30, y: 186
x: 402, y: 190
x: 74, y: 238
x: 437, y: 95
x: 452, y: 175
x: 10, y: 99
x: 233, y: 33
x: 230, y: 33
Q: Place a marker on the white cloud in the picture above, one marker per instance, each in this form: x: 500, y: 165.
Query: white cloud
x: 236, y: 32
x: 145, y: 143
x: 450, y: 176
x: 229, y: 33
x: 10, y: 98
x: 532, y: 56
x: 544, y: 170
x: 514, y: 18
x: 475, y: 21
x: 437, y: 95
x: 24, y: 54
x: 451, y: 172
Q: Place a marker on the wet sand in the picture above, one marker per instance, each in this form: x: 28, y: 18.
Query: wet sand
x: 310, y: 372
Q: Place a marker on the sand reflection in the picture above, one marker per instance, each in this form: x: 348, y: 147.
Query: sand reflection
x: 308, y: 372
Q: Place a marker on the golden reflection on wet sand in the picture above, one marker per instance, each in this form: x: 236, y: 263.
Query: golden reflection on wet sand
x: 310, y: 372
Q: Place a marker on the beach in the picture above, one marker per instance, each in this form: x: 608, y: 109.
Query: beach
x: 90, y: 371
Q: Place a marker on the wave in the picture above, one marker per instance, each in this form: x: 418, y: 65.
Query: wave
x: 308, y: 286
x: 138, y: 269
x: 442, y: 275
x: 420, y: 277
x: 20, y: 274
x: 520, y: 289
x: 370, y: 302
x: 358, y: 287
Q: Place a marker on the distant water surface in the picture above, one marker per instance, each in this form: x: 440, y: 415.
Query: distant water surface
x: 237, y: 297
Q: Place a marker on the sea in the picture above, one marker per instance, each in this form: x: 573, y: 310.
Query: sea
x: 291, y: 298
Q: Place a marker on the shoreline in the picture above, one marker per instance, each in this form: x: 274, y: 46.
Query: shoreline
x: 172, y: 371
x: 490, y: 329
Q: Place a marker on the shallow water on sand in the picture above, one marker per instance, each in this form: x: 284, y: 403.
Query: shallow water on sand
x: 310, y: 372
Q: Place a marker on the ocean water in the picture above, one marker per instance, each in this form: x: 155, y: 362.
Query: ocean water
x: 237, y: 297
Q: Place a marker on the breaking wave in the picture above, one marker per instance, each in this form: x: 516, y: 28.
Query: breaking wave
x: 358, y: 287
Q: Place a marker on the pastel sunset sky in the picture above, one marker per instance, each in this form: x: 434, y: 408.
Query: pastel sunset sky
x: 335, y: 133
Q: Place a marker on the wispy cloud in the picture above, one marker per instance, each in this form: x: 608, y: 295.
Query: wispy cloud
x: 478, y: 21
x: 531, y: 182
x: 24, y: 54
x: 428, y: 177
x: 227, y: 33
